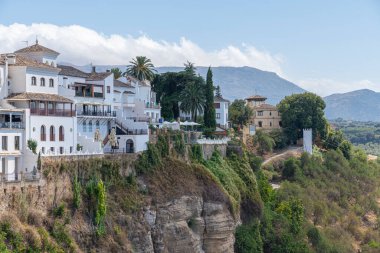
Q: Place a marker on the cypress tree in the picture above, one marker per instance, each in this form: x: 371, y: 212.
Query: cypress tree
x: 209, y: 111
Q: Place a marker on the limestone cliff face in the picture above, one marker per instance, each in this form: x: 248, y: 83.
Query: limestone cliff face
x: 187, y: 224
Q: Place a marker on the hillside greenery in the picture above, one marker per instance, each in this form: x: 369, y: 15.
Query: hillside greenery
x: 365, y: 135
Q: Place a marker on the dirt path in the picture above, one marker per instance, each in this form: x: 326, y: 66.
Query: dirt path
x: 288, y: 151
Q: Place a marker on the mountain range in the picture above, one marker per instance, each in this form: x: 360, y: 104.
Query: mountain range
x: 359, y: 105
x: 235, y: 82
x: 241, y: 82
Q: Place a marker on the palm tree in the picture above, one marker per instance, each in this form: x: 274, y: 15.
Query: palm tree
x: 192, y: 99
x: 141, y: 68
x: 117, y: 73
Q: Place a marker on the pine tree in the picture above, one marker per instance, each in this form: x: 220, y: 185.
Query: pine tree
x: 209, y: 111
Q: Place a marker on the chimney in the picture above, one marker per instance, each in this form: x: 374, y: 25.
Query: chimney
x: 93, y: 69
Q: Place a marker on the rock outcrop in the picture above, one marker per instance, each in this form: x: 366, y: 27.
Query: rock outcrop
x: 188, y: 224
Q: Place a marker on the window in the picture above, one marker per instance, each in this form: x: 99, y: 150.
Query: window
x: 260, y: 124
x: 61, y: 133
x: 217, y: 115
x: 61, y: 149
x: 97, y: 124
x: 108, y: 89
x: 52, y: 149
x: 17, y: 142
x: 270, y: 123
x: 51, y: 82
x: 52, y: 133
x: 270, y: 113
x: 280, y: 124
x: 90, y: 126
x: 260, y: 113
x: 42, y: 81
x: 217, y: 105
x: 43, y: 150
x: 71, y: 149
x: 4, y: 142
x: 3, y: 164
x: 34, y: 80
x: 43, y: 133
x: 84, y: 126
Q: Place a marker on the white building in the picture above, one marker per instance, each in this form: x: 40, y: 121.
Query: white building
x: 136, y: 108
x: 221, y: 111
x: 64, y: 109
x: 33, y: 86
x: 93, y: 97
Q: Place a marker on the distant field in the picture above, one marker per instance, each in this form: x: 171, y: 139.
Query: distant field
x: 365, y: 135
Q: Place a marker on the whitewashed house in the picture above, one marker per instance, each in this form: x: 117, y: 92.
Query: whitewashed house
x: 221, y: 111
x: 136, y: 109
x: 93, y: 97
x: 33, y: 86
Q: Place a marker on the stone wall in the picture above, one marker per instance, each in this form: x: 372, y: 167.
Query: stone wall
x: 208, y: 149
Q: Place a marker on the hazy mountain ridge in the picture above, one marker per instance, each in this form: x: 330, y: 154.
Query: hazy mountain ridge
x: 360, y: 105
x: 235, y: 82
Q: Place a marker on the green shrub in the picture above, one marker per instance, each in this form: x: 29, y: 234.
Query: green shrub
x: 59, y: 211
x: 248, y: 238
x: 32, y: 145
x: 77, y: 196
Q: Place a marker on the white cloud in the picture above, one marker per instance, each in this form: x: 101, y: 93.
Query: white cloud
x: 325, y: 87
x: 80, y: 45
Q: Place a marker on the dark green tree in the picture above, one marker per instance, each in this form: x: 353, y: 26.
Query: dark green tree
x: 209, y: 112
x: 192, y: 99
x: 263, y: 142
x: 300, y: 111
x: 141, y: 68
x: 190, y: 68
x: 239, y: 113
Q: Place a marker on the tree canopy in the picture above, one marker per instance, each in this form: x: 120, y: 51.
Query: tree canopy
x: 169, y: 86
x: 239, y: 113
x: 192, y: 99
x: 300, y: 111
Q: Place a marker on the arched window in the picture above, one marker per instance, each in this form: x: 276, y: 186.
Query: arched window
x: 84, y: 126
x: 34, y: 80
x: 52, y: 133
x: 51, y: 82
x: 90, y: 126
x: 61, y: 133
x: 43, y: 133
x: 97, y: 124
x: 42, y: 81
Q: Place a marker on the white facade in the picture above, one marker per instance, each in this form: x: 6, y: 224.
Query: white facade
x: 221, y: 111
x: 63, y: 109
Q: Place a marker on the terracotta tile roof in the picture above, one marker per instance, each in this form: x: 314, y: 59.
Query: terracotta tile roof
x: 256, y: 97
x: 38, y: 96
x: 220, y: 99
x: 118, y: 83
x: 95, y: 76
x: 36, y: 48
x: 23, y: 61
x: 266, y: 107
x: 71, y: 71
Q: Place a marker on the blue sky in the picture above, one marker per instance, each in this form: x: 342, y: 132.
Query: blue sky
x: 317, y: 44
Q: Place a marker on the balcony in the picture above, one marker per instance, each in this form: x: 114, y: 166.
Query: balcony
x: 12, y: 125
x: 137, y: 131
x: 97, y: 113
x: 138, y: 119
x: 52, y: 112
x: 152, y: 105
